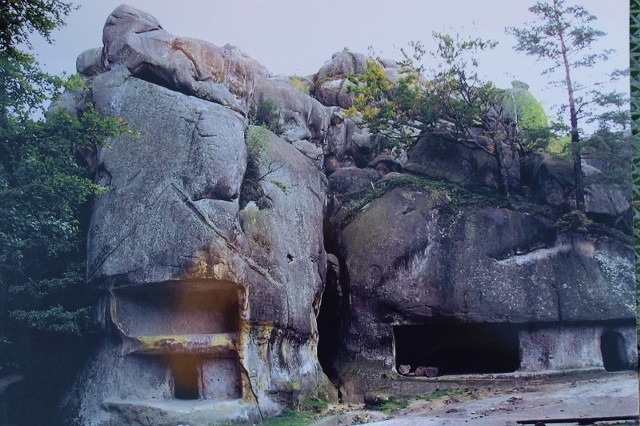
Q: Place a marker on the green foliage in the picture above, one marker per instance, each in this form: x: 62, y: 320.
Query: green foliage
x: 613, y: 112
x: 532, y: 124
x: 300, y: 84
x: 75, y: 83
x: 259, y: 169
x: 23, y: 86
x: 314, y: 405
x: 559, y: 29
x: 562, y: 35
x: 267, y: 114
x: 45, y: 185
x: 393, y: 404
x: 438, y: 394
x: 257, y: 140
x: 451, y: 99
x: 19, y: 19
x: 387, y: 110
x: 452, y: 93
x: 290, y: 417
x: 559, y: 146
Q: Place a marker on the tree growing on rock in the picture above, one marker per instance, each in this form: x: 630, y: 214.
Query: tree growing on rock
x: 562, y: 35
x: 451, y: 99
x: 528, y: 117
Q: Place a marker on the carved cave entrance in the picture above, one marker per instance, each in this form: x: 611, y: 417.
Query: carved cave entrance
x: 190, y: 328
x: 454, y: 348
x: 614, y: 351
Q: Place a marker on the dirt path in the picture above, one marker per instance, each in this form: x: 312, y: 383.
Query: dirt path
x: 612, y: 394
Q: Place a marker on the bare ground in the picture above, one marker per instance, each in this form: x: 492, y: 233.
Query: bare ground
x: 606, y: 395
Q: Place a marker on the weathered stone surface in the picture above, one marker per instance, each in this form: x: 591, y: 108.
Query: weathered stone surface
x: 341, y: 65
x: 352, y: 179
x: 385, y: 164
x: 91, y: 62
x: 220, y: 74
x: 332, y: 85
x: 334, y: 93
x: 411, y: 257
x: 551, y: 182
x: 566, y: 347
x: 302, y: 117
x: 439, y: 156
x: 173, y: 192
x: 470, y: 263
x: 190, y: 278
x: 601, y: 199
x: 551, y: 179
x: 347, y: 143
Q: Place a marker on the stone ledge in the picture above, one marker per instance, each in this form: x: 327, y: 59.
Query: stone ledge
x: 218, y: 344
x: 172, y: 412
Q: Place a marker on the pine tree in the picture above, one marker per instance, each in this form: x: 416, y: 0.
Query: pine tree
x: 562, y: 35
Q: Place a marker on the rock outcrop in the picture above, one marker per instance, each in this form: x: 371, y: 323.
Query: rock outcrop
x: 210, y: 300
x: 233, y: 261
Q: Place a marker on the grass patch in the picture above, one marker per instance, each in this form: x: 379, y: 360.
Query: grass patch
x: 300, y: 84
x: 394, y: 404
x: 314, y: 405
x: 309, y: 410
x: 290, y: 417
x: 437, y: 395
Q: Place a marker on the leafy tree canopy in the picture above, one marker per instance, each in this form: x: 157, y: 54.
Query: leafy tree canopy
x: 449, y: 98
x: 19, y: 19
x: 45, y: 184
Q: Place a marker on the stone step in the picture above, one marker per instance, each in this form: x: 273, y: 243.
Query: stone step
x: 172, y: 412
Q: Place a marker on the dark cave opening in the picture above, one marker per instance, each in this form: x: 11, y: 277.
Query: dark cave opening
x: 455, y: 348
x: 185, y: 371
x: 329, y: 322
x: 614, y: 351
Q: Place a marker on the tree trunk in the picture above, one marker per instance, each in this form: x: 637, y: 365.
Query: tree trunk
x: 575, y: 136
x: 503, y: 175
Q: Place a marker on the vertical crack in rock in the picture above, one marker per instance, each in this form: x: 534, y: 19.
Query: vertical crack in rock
x: 250, y: 385
x: 207, y: 221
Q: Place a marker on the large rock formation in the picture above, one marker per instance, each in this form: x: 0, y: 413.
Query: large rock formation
x: 418, y: 260
x: 210, y: 243
x: 205, y: 242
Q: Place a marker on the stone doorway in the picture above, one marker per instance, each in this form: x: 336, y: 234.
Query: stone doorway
x: 186, y: 371
x: 614, y: 351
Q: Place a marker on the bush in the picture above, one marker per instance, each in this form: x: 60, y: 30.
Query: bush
x: 267, y: 114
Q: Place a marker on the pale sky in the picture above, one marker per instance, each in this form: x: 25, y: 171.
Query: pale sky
x: 296, y: 36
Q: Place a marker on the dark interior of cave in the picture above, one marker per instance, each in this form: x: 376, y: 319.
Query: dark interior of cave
x: 329, y: 325
x: 614, y: 351
x: 185, y: 371
x: 455, y: 348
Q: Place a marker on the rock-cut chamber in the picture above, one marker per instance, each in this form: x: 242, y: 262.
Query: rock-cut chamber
x: 188, y: 330
x: 473, y: 348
